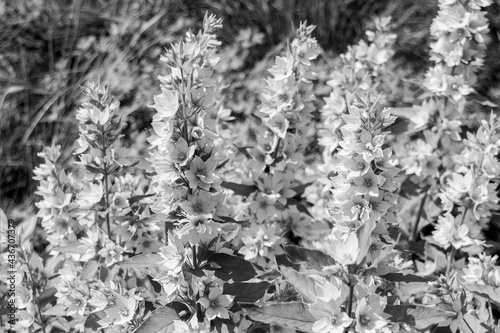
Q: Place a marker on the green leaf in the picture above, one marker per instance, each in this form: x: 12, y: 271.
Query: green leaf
x: 399, y: 277
x: 301, y: 188
x: 89, y: 270
x: 470, y: 324
x: 294, y: 315
x: 47, y: 296
x: 75, y: 248
x: 488, y: 292
x: 93, y: 318
x: 159, y: 320
x: 228, y: 267
x: 240, y: 189
x: 306, y: 286
x: 313, y: 258
x: 141, y: 260
x: 245, y: 292
x: 136, y: 198
x: 419, y: 317
x: 227, y: 219
x: 55, y: 310
x: 224, y: 325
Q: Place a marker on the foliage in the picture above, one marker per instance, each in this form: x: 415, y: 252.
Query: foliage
x: 315, y: 209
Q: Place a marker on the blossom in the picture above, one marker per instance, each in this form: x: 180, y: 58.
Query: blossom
x: 368, y: 183
x: 111, y: 252
x: 216, y: 304
x: 369, y: 314
x: 182, y: 152
x: 200, y: 203
x: 167, y: 103
x: 448, y: 233
x: 331, y: 319
x: 120, y: 200
x: 258, y: 241
x: 201, y: 173
x: 264, y: 207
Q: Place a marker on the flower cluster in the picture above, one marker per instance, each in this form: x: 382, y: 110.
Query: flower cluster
x: 472, y: 185
x: 185, y: 157
x: 57, y: 208
x: 364, y: 198
x: 361, y: 68
x: 460, y: 31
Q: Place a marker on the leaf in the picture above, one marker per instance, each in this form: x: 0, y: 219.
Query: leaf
x: 230, y: 267
x: 158, y: 321
x: 419, y: 317
x: 399, y: 277
x: 47, y: 296
x: 227, y: 219
x: 314, y: 258
x: 470, y: 324
x: 89, y: 270
x: 141, y: 260
x: 75, y: 248
x: 301, y: 188
x: 56, y: 310
x: 293, y: 315
x: 488, y: 292
x: 306, y: 286
x: 240, y: 189
x: 93, y: 318
x: 224, y: 325
x: 136, y: 198
x: 245, y: 292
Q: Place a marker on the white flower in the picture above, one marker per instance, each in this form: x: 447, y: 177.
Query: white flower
x: 216, y: 304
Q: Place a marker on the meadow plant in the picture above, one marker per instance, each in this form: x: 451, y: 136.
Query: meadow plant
x: 309, y: 219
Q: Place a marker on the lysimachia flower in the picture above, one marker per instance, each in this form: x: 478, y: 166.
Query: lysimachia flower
x: 473, y: 182
x: 331, y: 319
x: 216, y: 304
x: 111, y: 252
x: 369, y: 314
x: 360, y: 68
x: 201, y: 173
x: 449, y: 233
x: 482, y: 270
x: 364, y: 189
x: 460, y: 32
x: 259, y: 241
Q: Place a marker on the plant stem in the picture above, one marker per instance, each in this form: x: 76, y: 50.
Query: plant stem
x: 490, y: 311
x: 349, y: 305
x: 413, y: 235
x: 451, y: 258
x: 35, y: 297
x: 106, y: 185
x: 450, y: 261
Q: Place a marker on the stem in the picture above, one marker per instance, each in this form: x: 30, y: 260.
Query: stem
x: 451, y: 258
x: 33, y: 286
x: 413, y: 235
x: 195, y: 264
x: 106, y: 185
x: 184, y: 111
x: 492, y: 322
x: 351, y: 298
x: 349, y: 305
x: 450, y: 261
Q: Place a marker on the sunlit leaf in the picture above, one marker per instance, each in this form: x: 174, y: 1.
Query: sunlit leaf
x: 419, y: 317
x: 141, y: 260
x: 159, y: 320
x: 246, y: 292
x: 294, y: 315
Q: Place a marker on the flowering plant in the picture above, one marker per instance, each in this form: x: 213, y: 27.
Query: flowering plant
x: 311, y: 217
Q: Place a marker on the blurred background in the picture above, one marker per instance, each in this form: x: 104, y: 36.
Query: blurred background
x: 49, y: 48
